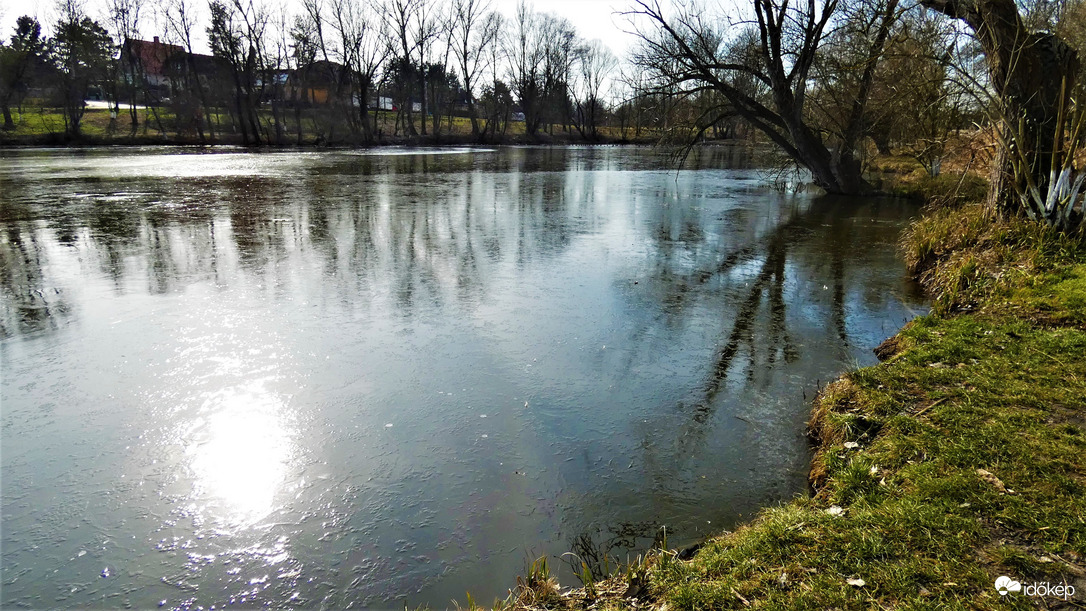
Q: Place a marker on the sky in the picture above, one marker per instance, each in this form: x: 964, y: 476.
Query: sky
x: 594, y: 19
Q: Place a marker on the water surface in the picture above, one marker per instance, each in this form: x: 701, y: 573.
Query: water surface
x: 346, y: 379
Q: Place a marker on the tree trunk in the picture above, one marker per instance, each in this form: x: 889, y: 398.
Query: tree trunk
x: 133, y: 112
x: 474, y: 117
x: 9, y: 124
x: 1033, y: 75
x: 297, y: 115
x: 364, y: 115
x: 241, y: 116
x: 1035, y: 90
x: 836, y: 172
x: 423, y: 105
x: 205, y: 109
x: 882, y: 143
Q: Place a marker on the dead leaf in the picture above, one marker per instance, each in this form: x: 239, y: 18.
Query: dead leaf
x: 745, y: 601
x: 994, y: 481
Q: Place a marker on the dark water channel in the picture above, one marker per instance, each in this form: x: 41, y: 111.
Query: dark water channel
x: 350, y: 380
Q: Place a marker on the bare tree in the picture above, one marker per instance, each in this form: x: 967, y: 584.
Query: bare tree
x: 428, y: 25
x: 181, y: 19
x: 235, y: 34
x: 324, y: 69
x: 277, y: 69
x: 918, y: 100
x: 561, y: 48
x: 525, y: 53
x: 470, y: 39
x: 635, y: 85
x: 496, y: 98
x: 596, y: 64
x: 124, y: 17
x: 689, y: 52
x: 362, y: 50
x: 407, y: 23
x: 254, y: 19
x: 304, y: 47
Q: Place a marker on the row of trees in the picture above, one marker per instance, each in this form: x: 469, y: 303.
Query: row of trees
x: 77, y: 56
x: 433, y: 58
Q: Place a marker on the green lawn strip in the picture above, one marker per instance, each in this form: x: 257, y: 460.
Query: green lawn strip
x: 917, y: 523
x: 37, y: 124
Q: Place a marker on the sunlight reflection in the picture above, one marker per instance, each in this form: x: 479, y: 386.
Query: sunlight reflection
x: 240, y: 451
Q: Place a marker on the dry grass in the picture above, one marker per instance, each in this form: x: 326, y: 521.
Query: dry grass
x: 965, y: 256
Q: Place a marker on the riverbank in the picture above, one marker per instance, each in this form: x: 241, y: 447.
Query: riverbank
x: 957, y: 460
x: 46, y: 127
x: 53, y: 139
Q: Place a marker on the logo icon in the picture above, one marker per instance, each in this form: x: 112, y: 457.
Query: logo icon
x: 1005, y: 585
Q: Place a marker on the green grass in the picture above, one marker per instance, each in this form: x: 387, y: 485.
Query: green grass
x: 37, y: 124
x: 968, y: 260
x: 919, y: 526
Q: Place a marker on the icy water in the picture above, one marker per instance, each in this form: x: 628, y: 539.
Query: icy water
x: 346, y: 379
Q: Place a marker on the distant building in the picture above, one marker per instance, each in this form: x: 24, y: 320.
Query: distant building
x: 149, y: 62
x: 316, y: 83
x: 161, y: 70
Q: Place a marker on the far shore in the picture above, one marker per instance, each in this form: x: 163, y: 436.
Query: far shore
x: 44, y: 126
x: 60, y: 139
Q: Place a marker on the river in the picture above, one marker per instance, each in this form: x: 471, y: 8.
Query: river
x: 364, y: 378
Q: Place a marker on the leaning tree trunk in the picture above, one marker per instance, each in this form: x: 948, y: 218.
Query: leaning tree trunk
x: 835, y: 171
x: 1033, y: 74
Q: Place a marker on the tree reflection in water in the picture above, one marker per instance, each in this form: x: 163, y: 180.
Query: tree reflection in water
x: 638, y: 340
x: 772, y: 281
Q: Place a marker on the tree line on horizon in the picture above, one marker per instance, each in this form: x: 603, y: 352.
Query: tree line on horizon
x: 827, y: 82
x: 329, y: 65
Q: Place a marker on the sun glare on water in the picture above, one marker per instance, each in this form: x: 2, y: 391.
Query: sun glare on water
x: 240, y: 452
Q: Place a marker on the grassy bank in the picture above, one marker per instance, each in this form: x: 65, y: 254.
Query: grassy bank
x: 45, y: 126
x: 958, y: 459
